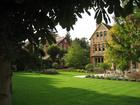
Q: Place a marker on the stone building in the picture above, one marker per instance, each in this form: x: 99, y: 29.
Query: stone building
x: 98, y: 44
x: 61, y: 42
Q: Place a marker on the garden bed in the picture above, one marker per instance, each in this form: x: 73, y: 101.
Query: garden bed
x: 99, y: 76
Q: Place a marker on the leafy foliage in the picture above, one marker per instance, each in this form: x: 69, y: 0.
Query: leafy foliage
x: 123, y: 65
x: 55, y: 65
x: 34, y: 20
x: 53, y: 50
x: 104, y: 66
x: 124, y: 44
x: 76, y: 56
x: 89, y: 67
x: 56, y: 54
x: 83, y: 42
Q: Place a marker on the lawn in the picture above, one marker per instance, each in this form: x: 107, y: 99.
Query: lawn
x: 65, y: 89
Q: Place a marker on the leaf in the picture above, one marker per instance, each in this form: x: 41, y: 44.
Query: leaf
x: 87, y: 12
x: 79, y: 15
x: 99, y: 18
x: 105, y: 18
x: 110, y: 9
x: 129, y: 8
x: 97, y: 12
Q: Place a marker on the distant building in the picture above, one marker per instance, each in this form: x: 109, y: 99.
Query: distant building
x: 98, y: 44
x: 62, y: 42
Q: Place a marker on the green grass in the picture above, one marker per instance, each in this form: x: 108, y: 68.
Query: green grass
x: 65, y: 89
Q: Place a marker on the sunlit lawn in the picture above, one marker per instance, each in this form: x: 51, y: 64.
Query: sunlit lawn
x: 65, y: 89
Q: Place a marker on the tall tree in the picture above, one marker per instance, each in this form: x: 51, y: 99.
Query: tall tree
x: 54, y: 52
x: 83, y: 42
x: 124, y: 44
x: 36, y: 19
x: 76, y: 56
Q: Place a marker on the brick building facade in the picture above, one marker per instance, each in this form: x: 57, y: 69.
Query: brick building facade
x: 62, y: 43
x: 98, y: 44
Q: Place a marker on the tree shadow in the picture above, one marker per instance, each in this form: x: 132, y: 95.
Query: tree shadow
x: 42, y: 91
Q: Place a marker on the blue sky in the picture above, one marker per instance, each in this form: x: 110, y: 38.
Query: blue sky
x: 84, y: 27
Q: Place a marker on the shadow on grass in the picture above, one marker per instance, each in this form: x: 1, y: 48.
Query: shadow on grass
x: 29, y: 90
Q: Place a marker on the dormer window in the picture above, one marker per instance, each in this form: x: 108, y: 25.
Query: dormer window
x: 103, y: 47
x: 104, y: 33
x: 97, y: 34
x: 99, y: 49
x: 95, y: 46
x: 101, y: 34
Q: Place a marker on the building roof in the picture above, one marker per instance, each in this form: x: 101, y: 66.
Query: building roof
x: 107, y: 26
x: 59, y: 39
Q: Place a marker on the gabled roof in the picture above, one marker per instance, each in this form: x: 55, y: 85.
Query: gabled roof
x: 107, y: 26
x: 59, y: 39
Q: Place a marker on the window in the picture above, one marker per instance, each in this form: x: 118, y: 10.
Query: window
x: 97, y: 34
x: 105, y: 33
x: 101, y: 34
x: 98, y: 59
x: 103, y: 47
x: 99, y: 47
x: 102, y: 59
x: 95, y: 46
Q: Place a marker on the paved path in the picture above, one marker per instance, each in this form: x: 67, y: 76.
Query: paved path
x: 80, y: 76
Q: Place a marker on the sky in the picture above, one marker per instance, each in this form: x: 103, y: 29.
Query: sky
x: 84, y: 27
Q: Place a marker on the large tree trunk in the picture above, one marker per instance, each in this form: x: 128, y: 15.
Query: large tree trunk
x: 5, y: 82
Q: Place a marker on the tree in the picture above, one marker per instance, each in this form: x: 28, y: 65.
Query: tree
x: 124, y: 45
x: 56, y: 54
x: 76, y: 56
x: 123, y: 65
x: 36, y: 19
x: 83, y: 42
x: 54, y: 51
x: 85, y: 45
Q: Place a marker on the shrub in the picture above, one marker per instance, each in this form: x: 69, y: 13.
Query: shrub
x: 49, y: 71
x: 80, y: 70
x: 88, y: 76
x: 89, y: 67
x: 92, y: 76
x: 104, y: 66
x: 55, y: 65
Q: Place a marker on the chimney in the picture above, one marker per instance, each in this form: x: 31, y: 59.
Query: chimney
x: 97, y: 25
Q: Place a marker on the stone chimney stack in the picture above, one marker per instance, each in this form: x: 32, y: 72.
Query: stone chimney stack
x: 97, y: 25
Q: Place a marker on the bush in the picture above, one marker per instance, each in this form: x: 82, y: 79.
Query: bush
x: 49, y: 71
x: 89, y: 67
x: 92, y: 76
x: 55, y: 65
x: 80, y: 70
x: 88, y: 76
x: 104, y: 66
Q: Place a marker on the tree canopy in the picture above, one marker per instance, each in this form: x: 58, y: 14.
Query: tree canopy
x: 76, y: 56
x: 34, y: 19
x: 124, y: 45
